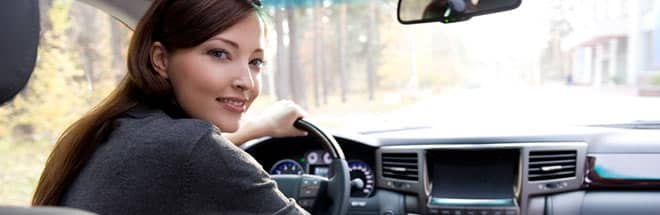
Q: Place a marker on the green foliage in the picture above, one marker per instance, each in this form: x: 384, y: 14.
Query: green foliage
x: 46, y: 104
x: 73, y: 72
x: 58, y: 16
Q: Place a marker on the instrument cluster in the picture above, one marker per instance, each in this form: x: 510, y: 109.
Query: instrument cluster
x: 317, y: 162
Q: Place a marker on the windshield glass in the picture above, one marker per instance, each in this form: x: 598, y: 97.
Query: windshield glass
x: 547, y: 62
x: 353, y: 67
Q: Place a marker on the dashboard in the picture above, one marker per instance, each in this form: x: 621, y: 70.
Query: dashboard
x: 425, y: 171
x: 303, y: 155
x: 317, y: 162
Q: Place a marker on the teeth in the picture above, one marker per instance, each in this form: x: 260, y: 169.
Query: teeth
x: 233, y: 102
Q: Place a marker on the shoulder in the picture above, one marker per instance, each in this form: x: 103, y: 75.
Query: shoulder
x: 143, y: 125
x: 151, y: 135
x: 140, y: 164
x: 222, y: 152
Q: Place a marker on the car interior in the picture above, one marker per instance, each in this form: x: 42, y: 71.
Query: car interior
x: 420, y: 170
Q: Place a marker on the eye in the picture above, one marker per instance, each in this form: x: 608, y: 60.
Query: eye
x: 220, y: 54
x: 258, y: 62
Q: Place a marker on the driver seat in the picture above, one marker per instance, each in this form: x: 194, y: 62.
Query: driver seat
x: 18, y: 51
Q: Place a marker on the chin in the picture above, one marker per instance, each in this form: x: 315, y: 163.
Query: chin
x: 230, y: 130
x: 227, y: 127
x: 226, y: 123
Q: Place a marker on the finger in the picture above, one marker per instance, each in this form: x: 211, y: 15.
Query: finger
x: 300, y: 133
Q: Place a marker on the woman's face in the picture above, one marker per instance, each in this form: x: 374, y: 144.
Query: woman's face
x: 218, y: 79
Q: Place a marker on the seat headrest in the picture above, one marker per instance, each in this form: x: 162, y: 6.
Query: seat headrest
x: 18, y: 45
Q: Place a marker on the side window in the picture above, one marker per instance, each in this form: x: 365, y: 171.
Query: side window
x: 81, y: 58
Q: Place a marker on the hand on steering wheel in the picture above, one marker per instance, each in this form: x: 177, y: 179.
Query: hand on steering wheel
x: 312, y: 191
x: 278, y: 119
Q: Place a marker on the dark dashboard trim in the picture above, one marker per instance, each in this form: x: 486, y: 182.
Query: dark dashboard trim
x: 481, y: 140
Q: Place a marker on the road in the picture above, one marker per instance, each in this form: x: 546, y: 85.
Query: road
x: 507, y: 106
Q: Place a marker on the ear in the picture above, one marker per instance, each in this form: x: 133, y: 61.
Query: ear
x: 159, y: 59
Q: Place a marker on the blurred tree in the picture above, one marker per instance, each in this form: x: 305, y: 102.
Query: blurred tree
x: 552, y: 63
x: 282, y: 73
x: 341, y: 52
x: 297, y: 78
x: 355, y: 53
x: 47, y: 105
x: 73, y: 71
x: 371, y: 43
x: 119, y: 45
x: 318, y: 54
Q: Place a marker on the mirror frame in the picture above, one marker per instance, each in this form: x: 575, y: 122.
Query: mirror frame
x: 454, y: 19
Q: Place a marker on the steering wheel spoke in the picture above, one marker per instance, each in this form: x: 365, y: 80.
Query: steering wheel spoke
x: 318, y: 194
x: 306, y: 189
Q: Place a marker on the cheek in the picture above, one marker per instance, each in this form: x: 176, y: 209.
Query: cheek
x: 256, y: 90
x: 196, y: 82
x: 194, y: 75
x: 257, y: 84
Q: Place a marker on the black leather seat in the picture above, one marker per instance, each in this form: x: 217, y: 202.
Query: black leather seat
x: 18, y: 45
x: 18, y: 53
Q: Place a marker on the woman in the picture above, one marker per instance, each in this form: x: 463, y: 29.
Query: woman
x: 154, y: 145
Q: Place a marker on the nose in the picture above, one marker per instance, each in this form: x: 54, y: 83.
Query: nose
x: 244, y: 80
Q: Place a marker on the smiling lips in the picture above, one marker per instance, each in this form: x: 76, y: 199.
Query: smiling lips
x: 233, y: 104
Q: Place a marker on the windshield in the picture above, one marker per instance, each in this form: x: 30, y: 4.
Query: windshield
x: 547, y: 62
x: 352, y: 66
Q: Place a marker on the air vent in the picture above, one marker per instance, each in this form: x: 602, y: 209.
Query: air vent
x: 400, y: 166
x: 547, y: 165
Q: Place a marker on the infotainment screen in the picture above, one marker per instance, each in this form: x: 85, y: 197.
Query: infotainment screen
x: 473, y: 174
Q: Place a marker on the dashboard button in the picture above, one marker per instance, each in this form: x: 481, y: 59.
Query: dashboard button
x: 498, y: 212
x: 445, y: 212
x: 358, y: 204
x: 458, y: 212
x: 310, y: 181
x: 510, y: 212
x: 309, y: 191
x: 485, y: 212
x: 470, y: 212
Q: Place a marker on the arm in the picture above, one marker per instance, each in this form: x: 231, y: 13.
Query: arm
x: 222, y: 178
x: 276, y: 121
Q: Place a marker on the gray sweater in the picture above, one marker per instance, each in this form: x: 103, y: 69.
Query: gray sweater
x: 154, y: 164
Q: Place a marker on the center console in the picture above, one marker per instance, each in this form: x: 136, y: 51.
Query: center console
x: 469, y: 181
x: 479, y: 179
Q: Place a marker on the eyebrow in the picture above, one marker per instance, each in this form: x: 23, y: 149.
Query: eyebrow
x: 233, y: 44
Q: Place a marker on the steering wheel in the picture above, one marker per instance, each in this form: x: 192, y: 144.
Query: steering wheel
x: 320, y: 195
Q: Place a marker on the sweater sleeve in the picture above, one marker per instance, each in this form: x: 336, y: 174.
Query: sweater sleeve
x: 221, y: 178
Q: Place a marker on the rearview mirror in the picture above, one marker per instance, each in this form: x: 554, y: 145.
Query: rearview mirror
x: 448, y: 11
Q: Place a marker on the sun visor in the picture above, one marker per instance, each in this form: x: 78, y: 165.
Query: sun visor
x: 18, y: 45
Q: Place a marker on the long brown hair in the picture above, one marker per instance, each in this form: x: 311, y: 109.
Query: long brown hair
x: 177, y: 24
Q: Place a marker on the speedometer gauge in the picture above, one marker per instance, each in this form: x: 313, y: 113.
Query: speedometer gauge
x: 286, y: 167
x: 362, y: 179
